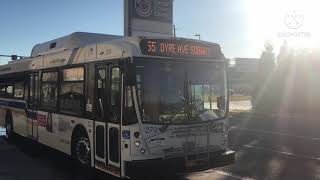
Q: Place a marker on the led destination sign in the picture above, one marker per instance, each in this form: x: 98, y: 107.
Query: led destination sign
x: 179, y: 48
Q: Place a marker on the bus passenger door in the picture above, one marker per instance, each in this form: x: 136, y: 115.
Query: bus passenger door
x: 114, y: 119
x: 107, y: 123
x: 32, y: 109
x: 101, y: 115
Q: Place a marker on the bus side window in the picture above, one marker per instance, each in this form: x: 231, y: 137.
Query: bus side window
x: 9, y: 91
x: 2, y: 90
x: 72, y: 91
x: 18, y: 90
x: 49, y: 90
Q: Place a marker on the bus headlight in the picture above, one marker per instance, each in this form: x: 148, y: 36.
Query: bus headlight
x: 142, y: 150
x: 137, y: 143
x: 224, y: 128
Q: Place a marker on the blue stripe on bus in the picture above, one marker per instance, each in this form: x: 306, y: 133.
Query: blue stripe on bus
x: 19, y: 105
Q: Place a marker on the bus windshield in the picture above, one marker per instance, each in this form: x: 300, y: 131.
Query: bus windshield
x: 181, y: 92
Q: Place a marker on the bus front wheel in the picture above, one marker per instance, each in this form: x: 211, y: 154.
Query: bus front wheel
x: 81, y: 150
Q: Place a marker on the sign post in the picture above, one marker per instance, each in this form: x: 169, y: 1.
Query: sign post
x: 148, y: 17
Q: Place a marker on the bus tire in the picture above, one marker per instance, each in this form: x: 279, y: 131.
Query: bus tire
x: 81, y: 149
x: 9, y: 126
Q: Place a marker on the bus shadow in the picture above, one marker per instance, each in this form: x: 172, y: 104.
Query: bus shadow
x: 60, y: 166
x: 63, y: 167
x: 56, y: 163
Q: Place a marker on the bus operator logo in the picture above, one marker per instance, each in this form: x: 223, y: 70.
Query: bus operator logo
x: 143, y: 8
x: 294, y: 20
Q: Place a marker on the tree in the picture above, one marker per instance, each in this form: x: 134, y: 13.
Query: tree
x: 265, y: 71
x: 268, y: 59
x: 284, y: 52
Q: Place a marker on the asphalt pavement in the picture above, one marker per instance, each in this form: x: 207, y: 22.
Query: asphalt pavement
x: 267, y: 146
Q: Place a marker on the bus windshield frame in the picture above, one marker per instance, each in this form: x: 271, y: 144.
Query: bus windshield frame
x: 181, y: 91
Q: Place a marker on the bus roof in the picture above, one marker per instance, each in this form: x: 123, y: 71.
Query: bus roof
x: 80, y: 47
x: 74, y: 40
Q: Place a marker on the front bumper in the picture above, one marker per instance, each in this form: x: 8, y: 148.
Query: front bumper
x: 179, y: 165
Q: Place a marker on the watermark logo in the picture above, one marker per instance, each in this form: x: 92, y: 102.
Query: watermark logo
x: 294, y: 20
x: 143, y: 7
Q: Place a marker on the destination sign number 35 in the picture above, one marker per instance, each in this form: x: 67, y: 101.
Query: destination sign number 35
x: 174, y: 48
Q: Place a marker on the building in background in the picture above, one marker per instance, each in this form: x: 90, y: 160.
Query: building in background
x: 242, y: 75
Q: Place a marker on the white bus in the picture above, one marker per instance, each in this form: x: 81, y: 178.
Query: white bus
x: 122, y: 105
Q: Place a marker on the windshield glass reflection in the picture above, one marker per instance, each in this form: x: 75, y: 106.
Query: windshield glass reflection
x: 181, y: 92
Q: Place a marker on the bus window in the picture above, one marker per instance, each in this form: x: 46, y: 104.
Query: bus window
x: 181, y: 93
x: 72, y: 91
x: 115, y: 95
x: 115, y: 87
x: 101, y: 94
x: 9, y: 90
x: 130, y: 112
x: 2, y: 89
x: 18, y: 90
x: 49, y: 90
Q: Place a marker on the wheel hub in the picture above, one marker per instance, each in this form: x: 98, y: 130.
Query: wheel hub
x: 83, y: 151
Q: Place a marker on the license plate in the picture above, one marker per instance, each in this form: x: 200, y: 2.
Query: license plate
x: 156, y: 142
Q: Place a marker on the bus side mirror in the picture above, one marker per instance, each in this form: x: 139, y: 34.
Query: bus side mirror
x: 130, y: 74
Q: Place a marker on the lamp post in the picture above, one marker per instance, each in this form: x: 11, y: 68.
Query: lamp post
x: 13, y: 57
x: 198, y: 35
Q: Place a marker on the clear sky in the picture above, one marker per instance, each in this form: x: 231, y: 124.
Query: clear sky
x: 239, y: 26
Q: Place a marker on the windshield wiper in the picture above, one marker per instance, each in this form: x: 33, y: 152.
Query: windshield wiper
x: 170, y: 121
x: 188, y: 100
x: 165, y: 126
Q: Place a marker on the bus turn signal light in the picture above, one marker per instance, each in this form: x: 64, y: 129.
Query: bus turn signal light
x: 136, y: 134
x: 137, y: 144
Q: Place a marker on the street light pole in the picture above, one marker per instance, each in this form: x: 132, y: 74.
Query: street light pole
x: 13, y: 57
x: 198, y: 35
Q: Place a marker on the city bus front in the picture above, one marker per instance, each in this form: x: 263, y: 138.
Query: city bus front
x: 181, y: 106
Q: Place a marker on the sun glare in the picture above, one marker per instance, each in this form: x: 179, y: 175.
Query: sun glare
x: 277, y: 20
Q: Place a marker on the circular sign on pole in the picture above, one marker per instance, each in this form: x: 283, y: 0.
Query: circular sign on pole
x: 143, y: 8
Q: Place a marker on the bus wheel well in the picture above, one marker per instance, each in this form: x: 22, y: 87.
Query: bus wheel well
x: 80, y: 147
x: 78, y: 131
